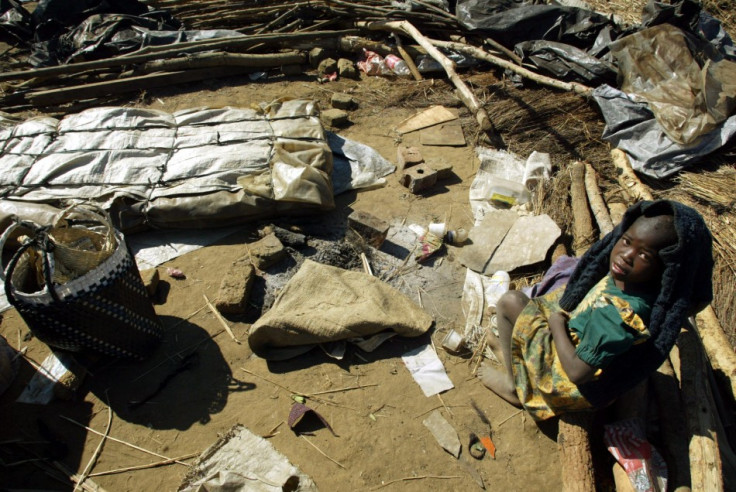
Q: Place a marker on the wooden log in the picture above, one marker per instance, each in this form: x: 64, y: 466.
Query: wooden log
x: 706, y: 468
x: 628, y: 180
x: 673, y: 427
x: 597, y: 205
x: 617, y: 211
x: 576, y: 460
x: 168, y: 51
x: 718, y: 349
x: 583, y: 235
x: 203, y: 60
x: 465, y: 94
x: 130, y: 84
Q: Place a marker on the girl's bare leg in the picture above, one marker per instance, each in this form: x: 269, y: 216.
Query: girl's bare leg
x: 507, y: 311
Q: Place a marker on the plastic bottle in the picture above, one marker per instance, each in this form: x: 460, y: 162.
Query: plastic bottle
x: 498, y: 285
x: 397, y: 65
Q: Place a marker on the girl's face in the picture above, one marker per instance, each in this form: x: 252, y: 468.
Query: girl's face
x: 635, y: 256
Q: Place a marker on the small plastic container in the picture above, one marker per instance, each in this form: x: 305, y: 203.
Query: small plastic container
x: 453, y: 341
x: 457, y: 236
x: 506, y: 194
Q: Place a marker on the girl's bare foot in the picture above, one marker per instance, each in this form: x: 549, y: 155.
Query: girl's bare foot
x: 500, y: 383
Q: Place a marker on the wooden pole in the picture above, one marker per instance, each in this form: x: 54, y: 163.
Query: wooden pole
x: 673, y: 427
x: 706, y: 468
x: 718, y: 348
x: 576, y: 460
x: 583, y: 235
x: 628, y: 180
x: 597, y: 205
x: 480, y: 54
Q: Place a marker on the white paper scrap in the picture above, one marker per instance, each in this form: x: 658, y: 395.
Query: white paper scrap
x: 427, y: 370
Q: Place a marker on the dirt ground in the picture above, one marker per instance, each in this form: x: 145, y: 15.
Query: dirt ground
x: 200, y: 382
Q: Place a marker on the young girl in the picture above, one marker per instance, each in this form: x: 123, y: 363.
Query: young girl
x: 584, y: 345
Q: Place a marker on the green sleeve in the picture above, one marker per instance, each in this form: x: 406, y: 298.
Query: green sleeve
x: 603, y: 335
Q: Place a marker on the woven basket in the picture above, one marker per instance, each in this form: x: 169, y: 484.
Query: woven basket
x: 105, y: 310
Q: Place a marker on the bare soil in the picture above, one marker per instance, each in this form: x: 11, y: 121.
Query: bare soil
x: 200, y: 382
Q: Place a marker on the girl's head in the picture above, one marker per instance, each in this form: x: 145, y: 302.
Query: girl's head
x: 635, y: 258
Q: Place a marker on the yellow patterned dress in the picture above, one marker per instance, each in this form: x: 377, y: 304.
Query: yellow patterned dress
x: 605, y: 324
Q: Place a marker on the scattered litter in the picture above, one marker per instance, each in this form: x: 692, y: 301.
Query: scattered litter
x: 427, y: 370
x: 297, y: 413
x: 429, y: 244
x: 175, y: 273
x: 456, y: 236
x: 444, y: 433
x: 241, y: 460
x: 453, y: 342
x: 643, y: 464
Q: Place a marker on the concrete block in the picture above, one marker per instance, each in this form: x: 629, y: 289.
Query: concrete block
x: 316, y: 55
x: 346, y: 69
x: 150, y: 278
x: 443, y: 168
x: 343, y: 101
x: 370, y: 227
x: 407, y: 156
x: 418, y: 178
x: 232, y: 298
x: 334, y: 117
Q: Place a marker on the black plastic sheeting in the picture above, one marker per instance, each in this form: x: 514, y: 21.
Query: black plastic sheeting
x: 568, y: 43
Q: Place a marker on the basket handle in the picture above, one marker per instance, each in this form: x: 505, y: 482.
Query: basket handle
x: 42, y: 241
x: 88, y: 211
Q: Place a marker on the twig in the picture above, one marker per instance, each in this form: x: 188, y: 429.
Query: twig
x: 366, y: 264
x: 340, y: 389
x: 508, y: 418
x: 124, y: 442
x: 443, y: 404
x: 143, y: 467
x: 420, y: 477
x: 322, y: 452
x: 272, y: 432
x: 327, y: 402
x: 220, y: 319
x: 96, y: 454
x: 435, y: 408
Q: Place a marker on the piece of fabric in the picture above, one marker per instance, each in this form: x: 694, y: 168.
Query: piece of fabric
x: 686, y: 286
x: 322, y: 303
x: 608, y: 322
x: 541, y: 382
x: 556, y: 276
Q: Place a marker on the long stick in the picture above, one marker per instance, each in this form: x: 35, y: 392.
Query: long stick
x: 322, y: 452
x: 96, y: 454
x: 480, y: 54
x: 124, y: 442
x: 421, y: 477
x: 220, y: 319
x: 629, y: 181
x: 143, y: 467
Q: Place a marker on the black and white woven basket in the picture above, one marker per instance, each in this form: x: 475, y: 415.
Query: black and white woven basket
x: 106, y: 310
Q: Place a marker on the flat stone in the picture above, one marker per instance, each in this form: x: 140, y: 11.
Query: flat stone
x: 346, y: 69
x: 372, y: 229
x: 526, y: 243
x: 150, y: 279
x: 418, y: 178
x: 444, y: 432
x: 485, y: 238
x: 232, y: 298
x: 340, y: 100
x: 327, y: 66
x: 445, y: 134
x: 334, y: 117
x: 408, y: 156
